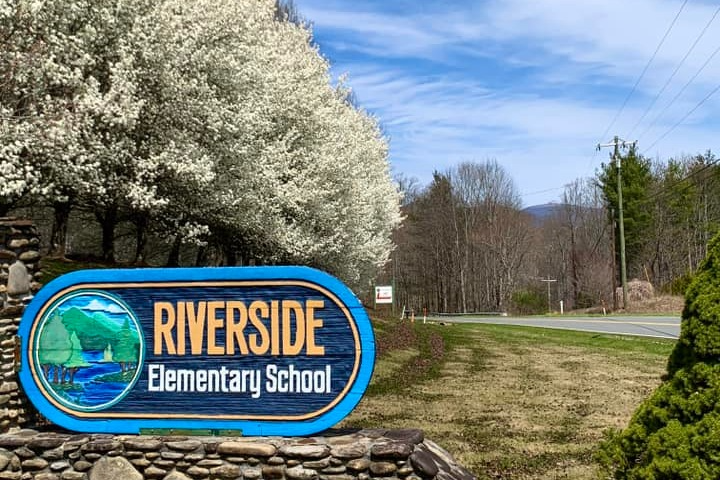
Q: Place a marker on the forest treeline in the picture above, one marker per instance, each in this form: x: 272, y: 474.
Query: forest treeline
x: 467, y: 244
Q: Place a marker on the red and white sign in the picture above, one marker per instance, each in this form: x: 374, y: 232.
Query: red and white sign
x: 384, y: 294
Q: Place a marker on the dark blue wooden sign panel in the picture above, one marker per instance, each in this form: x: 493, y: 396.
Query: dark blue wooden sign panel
x: 263, y: 350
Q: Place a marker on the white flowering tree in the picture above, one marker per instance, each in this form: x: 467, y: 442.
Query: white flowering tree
x: 63, y: 106
x: 300, y: 174
x: 200, y: 121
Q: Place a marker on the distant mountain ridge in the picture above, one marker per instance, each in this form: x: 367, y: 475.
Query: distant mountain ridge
x: 547, y: 211
x: 542, y: 212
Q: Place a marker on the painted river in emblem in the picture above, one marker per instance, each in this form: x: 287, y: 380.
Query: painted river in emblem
x: 89, y: 350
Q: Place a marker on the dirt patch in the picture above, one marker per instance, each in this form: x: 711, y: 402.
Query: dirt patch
x: 519, y: 409
x: 656, y: 305
x: 666, y: 304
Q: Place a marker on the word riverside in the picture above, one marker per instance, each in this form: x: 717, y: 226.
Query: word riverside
x: 277, y: 327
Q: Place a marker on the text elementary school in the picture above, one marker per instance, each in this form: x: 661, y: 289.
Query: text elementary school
x: 284, y: 327
x: 263, y: 350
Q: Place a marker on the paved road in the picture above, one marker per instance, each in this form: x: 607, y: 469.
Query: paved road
x: 656, y: 326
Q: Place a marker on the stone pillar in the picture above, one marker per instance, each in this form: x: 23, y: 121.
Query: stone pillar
x: 19, y: 276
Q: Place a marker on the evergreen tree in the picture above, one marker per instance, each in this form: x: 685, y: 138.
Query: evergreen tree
x: 676, y: 432
x: 125, y: 351
x: 636, y: 182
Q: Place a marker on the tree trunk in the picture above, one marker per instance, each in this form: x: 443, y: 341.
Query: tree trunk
x: 58, y: 234
x: 201, y: 256
x: 174, y: 255
x: 108, y: 219
x: 141, y: 222
x: 574, y: 270
x: 230, y: 256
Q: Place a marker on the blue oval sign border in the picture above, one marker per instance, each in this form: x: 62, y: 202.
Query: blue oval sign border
x: 96, y: 280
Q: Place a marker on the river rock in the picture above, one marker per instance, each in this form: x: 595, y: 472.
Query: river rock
x: 349, y: 451
x: 412, y: 436
x: 29, y: 257
x: 382, y: 469
x: 391, y: 450
x: 305, y: 451
x: 301, y: 473
x: 143, y: 444
x: 198, y: 472
x: 249, y: 449
x: 227, y: 471
x: 424, y: 464
x: 358, y: 464
x: 18, y: 280
x: 114, y: 467
x: 8, y: 458
x: 36, y: 463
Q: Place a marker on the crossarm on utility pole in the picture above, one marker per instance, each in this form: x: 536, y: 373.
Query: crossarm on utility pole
x: 548, y: 281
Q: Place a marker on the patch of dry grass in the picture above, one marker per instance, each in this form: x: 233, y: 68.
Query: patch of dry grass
x: 666, y: 304
x: 656, y: 305
x: 515, y: 402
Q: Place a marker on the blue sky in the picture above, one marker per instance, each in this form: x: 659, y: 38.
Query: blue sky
x: 534, y: 84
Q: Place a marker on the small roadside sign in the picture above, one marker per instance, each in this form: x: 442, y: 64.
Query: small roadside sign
x: 383, y: 294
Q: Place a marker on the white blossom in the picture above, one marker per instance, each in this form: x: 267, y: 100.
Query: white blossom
x: 212, y: 116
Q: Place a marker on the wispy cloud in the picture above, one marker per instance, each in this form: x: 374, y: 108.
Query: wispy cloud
x: 531, y: 83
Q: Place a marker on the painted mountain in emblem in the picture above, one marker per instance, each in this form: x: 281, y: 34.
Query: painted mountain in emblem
x: 95, y: 331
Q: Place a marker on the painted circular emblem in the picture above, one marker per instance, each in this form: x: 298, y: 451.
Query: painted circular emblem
x: 88, y: 350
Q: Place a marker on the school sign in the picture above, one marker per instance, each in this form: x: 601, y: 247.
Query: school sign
x: 260, y: 350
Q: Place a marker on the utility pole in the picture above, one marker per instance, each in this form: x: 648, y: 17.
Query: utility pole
x: 617, y: 143
x: 548, y: 281
x: 614, y: 263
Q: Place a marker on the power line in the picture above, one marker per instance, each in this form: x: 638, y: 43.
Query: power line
x: 677, y: 68
x: 666, y: 192
x: 642, y: 75
x: 707, y: 97
x: 682, y: 90
x: 538, y: 192
x: 637, y: 82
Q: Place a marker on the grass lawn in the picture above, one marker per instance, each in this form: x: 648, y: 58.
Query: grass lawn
x: 53, y: 268
x: 506, y: 401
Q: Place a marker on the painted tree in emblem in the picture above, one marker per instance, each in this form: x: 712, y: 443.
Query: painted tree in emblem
x: 76, y: 360
x: 54, y: 348
x: 126, y: 348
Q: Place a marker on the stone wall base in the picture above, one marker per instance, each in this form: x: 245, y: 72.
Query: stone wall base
x: 19, y: 277
x: 361, y: 455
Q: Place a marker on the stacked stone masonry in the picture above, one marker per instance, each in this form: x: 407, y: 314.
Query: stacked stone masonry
x: 362, y: 455
x: 19, y: 281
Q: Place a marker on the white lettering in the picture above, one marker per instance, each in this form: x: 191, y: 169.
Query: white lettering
x: 249, y: 381
x: 292, y: 380
x: 154, y: 374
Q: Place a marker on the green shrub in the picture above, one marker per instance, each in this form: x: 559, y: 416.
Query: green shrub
x: 679, y: 285
x: 528, y: 302
x: 675, y: 433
